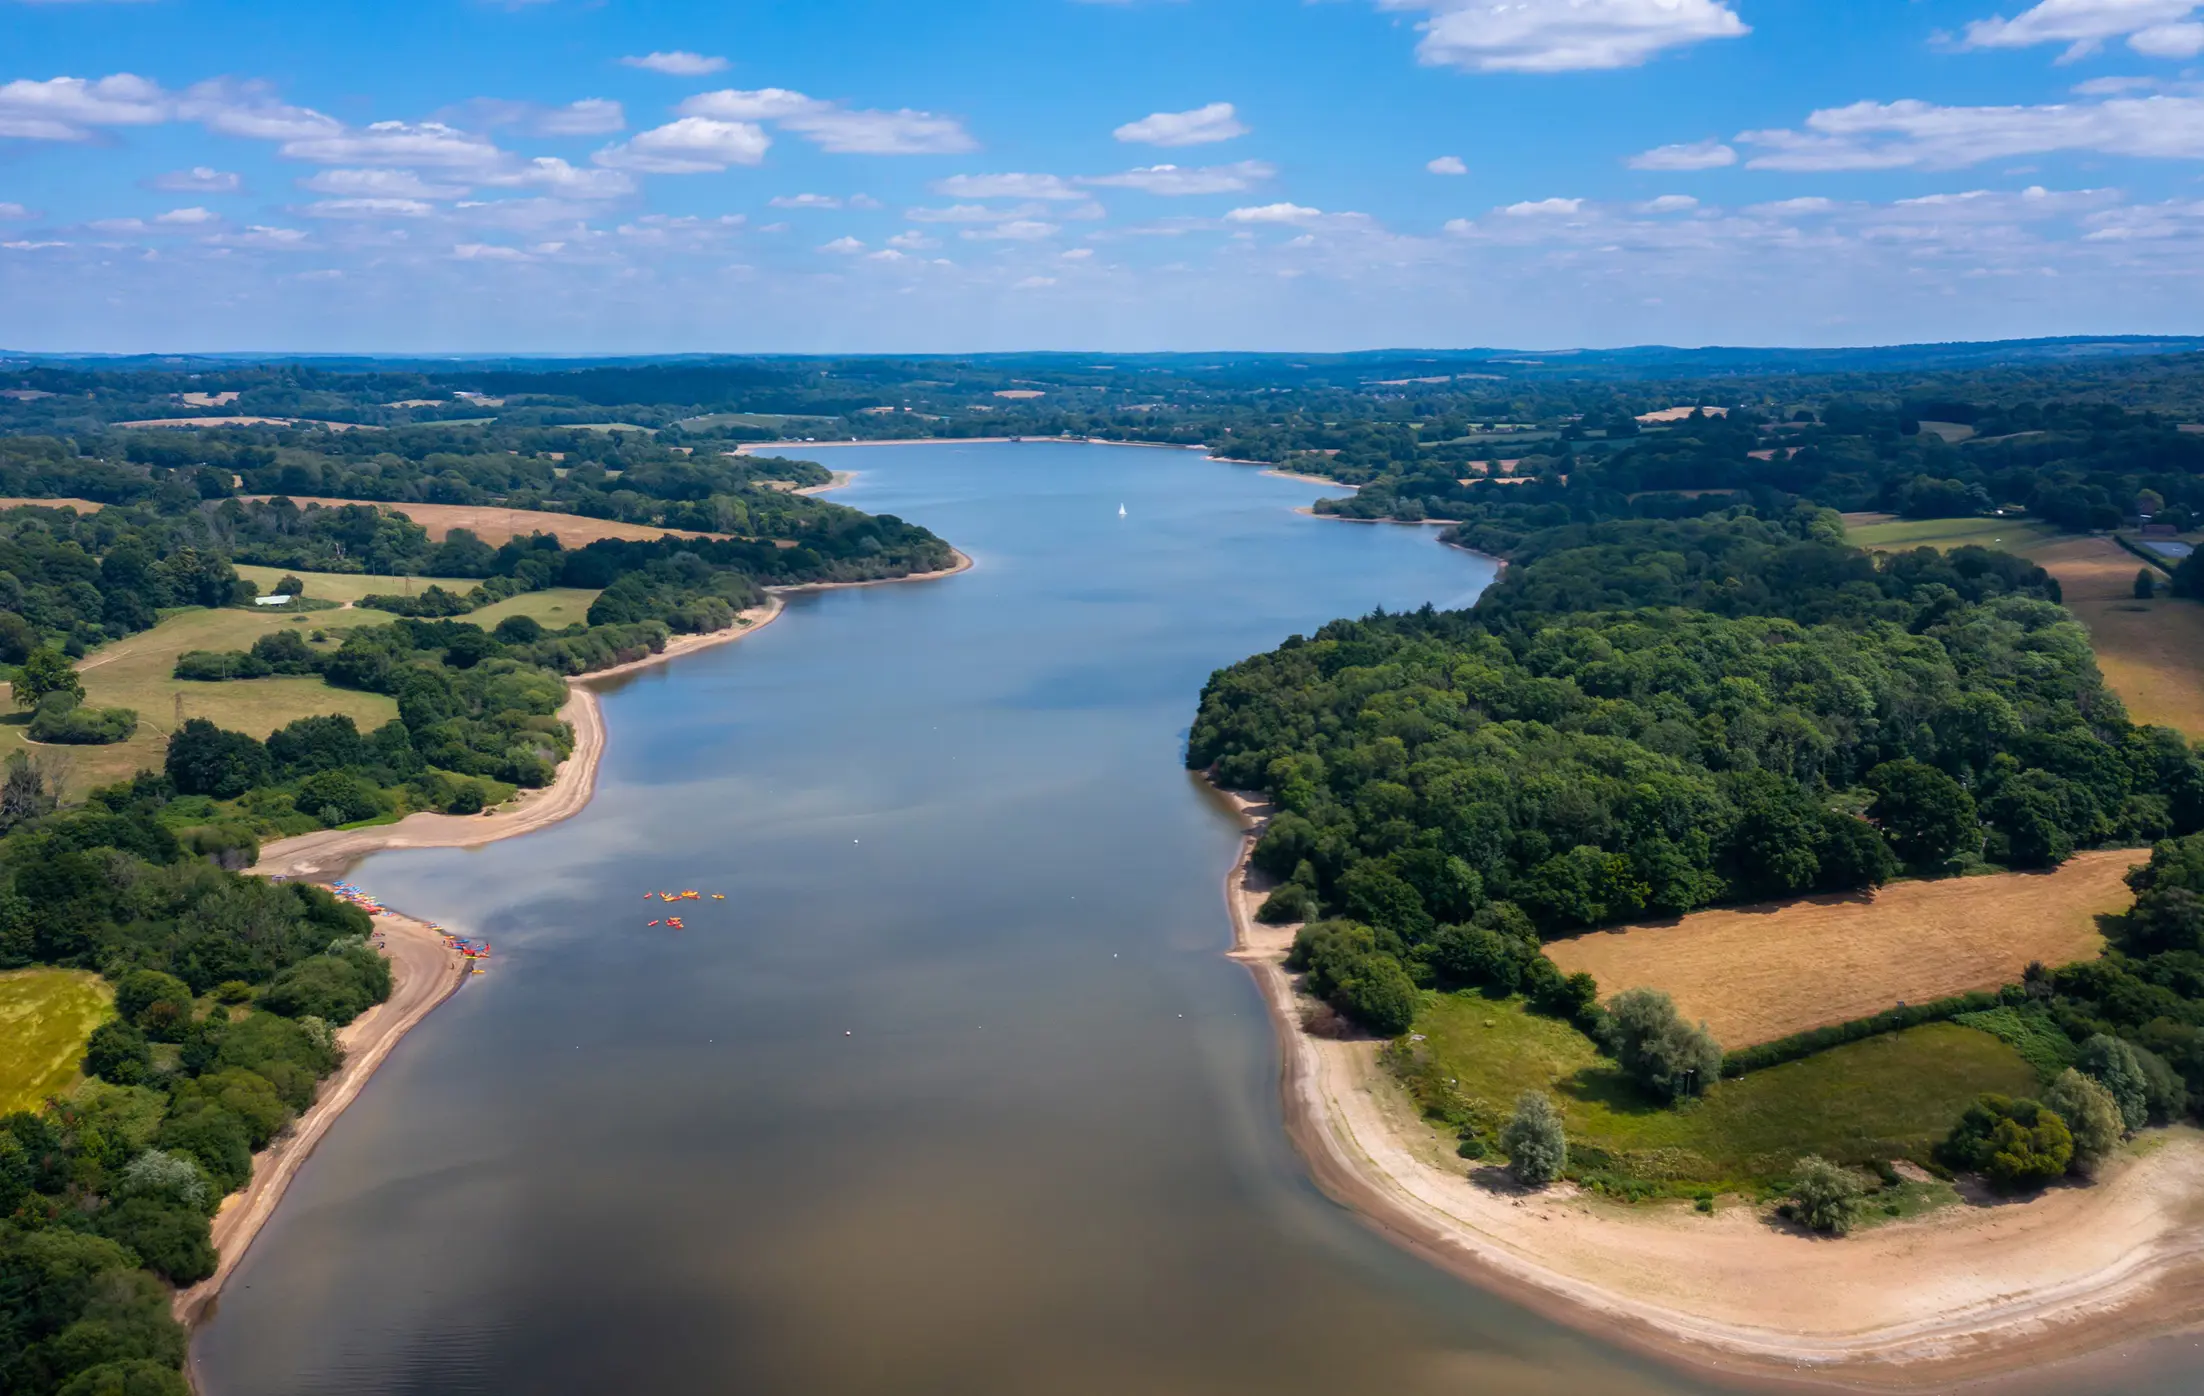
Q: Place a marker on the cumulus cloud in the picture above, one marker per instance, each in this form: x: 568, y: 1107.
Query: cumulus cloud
x: 846, y: 246
x: 1544, y: 208
x: 1274, y: 213
x: 1006, y: 186
x: 591, y: 116
x: 1914, y: 134
x: 1791, y: 208
x: 913, y: 239
x: 555, y: 176
x: 14, y: 213
x: 428, y: 143
x: 1447, y: 165
x: 72, y: 109
x: 690, y: 145
x: 2158, y: 28
x: 679, y: 63
x: 199, y: 179
x: 1202, y: 126
x: 1172, y: 181
x: 1699, y: 155
x: 1669, y: 203
x: 392, y: 184
x: 369, y: 208
x: 1555, y: 36
x: 833, y: 127
x: 1016, y: 230
x: 803, y: 201
x: 187, y: 217
x: 1033, y: 283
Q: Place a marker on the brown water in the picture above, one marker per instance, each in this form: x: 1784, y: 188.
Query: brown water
x: 955, y: 1092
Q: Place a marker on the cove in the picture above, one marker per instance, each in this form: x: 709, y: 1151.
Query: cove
x: 955, y: 1091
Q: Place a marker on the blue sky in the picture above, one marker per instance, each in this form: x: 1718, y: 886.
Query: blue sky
x: 600, y: 176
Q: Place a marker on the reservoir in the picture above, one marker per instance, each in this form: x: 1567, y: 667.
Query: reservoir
x: 955, y: 1092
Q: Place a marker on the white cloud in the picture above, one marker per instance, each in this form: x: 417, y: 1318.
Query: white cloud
x: 1077, y: 254
x: 974, y: 213
x: 1034, y: 283
x: 187, y: 217
x: 1790, y: 208
x: 373, y: 184
x: 1669, y: 203
x: 679, y: 63
x: 833, y: 127
x: 1171, y: 181
x: 1447, y: 165
x: 1006, y: 186
x: 803, y: 201
x: 1921, y: 135
x: 2158, y: 28
x: 1201, y: 126
x: 1554, y: 36
x: 1544, y: 208
x: 846, y: 246
x: 248, y: 110
x: 591, y: 116
x: 69, y: 109
x: 428, y: 143
x: 487, y: 252
x: 555, y: 176
x: 1699, y: 155
x: 369, y: 208
x: 913, y: 240
x: 865, y: 201
x: 199, y: 179
x: 1274, y: 213
x: 1016, y: 230
x: 885, y: 254
x: 14, y: 213
x: 691, y: 145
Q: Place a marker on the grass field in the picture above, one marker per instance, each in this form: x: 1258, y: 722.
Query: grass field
x: 134, y: 673
x: 348, y: 586
x: 45, y: 1017
x: 1741, y: 969
x: 1887, y: 532
x: 494, y: 525
x: 2151, y: 652
x: 1893, y: 1096
x: 552, y: 609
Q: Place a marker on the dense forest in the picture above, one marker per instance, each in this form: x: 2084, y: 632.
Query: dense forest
x: 1646, y: 718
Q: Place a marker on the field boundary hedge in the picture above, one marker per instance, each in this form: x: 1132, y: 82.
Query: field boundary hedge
x: 1906, y: 1015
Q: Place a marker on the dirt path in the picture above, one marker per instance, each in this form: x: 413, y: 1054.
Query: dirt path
x: 424, y: 973
x: 1964, y: 1293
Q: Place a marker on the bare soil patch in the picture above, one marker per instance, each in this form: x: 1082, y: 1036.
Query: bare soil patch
x: 494, y: 525
x: 1757, y: 973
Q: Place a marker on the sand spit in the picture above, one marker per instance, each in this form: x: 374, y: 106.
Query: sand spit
x: 1964, y: 1293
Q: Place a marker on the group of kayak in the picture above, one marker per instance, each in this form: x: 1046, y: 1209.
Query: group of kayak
x: 673, y: 923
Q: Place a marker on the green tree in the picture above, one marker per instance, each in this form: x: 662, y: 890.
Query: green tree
x: 2092, y: 1117
x: 117, y: 1052
x: 1536, y: 1147
x: 138, y: 1376
x: 1827, y: 1197
x: 2146, y: 584
x: 1926, y: 815
x: 46, y: 670
x: 2114, y: 1065
x: 2016, y: 1144
x: 1658, y: 1049
x: 204, y: 759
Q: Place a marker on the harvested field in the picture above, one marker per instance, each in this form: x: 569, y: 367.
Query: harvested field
x: 494, y: 525
x: 82, y: 506
x: 1757, y: 973
x: 2151, y: 652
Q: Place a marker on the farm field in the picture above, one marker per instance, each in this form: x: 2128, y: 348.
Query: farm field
x: 82, y: 506
x: 1892, y: 1096
x: 494, y: 525
x: 553, y: 608
x: 45, y: 1017
x: 2151, y: 652
x: 1754, y: 974
x: 135, y: 673
x: 347, y: 586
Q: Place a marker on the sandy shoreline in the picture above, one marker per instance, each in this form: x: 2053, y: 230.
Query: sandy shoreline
x: 1908, y: 1305
x: 425, y: 970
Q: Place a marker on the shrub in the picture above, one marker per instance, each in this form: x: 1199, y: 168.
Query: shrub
x: 2092, y: 1117
x: 2114, y: 1066
x: 1825, y: 1196
x: 2016, y: 1144
x: 1536, y: 1147
x: 1657, y: 1048
x: 1289, y: 904
x: 158, y: 1004
x: 336, y: 797
x: 118, y: 1052
x: 64, y: 721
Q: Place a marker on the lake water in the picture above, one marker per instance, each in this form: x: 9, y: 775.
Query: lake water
x: 955, y: 1091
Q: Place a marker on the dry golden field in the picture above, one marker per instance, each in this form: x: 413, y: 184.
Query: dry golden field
x: 1757, y: 973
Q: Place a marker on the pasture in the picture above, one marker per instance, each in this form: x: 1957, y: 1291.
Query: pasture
x: 494, y: 524
x: 45, y: 1017
x: 1757, y: 973
x: 1892, y: 1096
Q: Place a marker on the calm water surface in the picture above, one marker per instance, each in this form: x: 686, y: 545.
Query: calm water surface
x: 955, y: 1092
